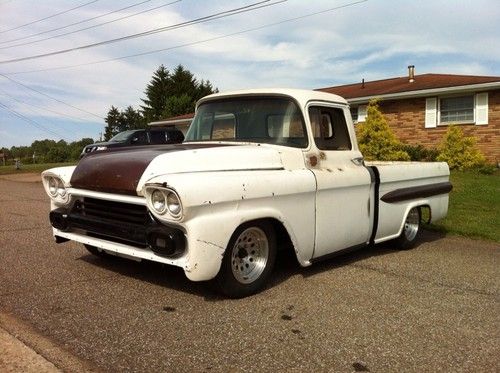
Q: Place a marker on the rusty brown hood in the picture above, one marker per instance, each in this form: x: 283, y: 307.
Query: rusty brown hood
x: 119, y: 170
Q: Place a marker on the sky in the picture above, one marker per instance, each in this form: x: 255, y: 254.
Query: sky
x: 278, y: 45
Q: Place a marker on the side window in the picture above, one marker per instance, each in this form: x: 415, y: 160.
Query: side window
x: 329, y: 128
x: 139, y: 138
x: 286, y: 128
x: 157, y: 137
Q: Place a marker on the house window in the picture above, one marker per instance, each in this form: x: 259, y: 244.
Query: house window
x: 354, y: 114
x: 358, y: 113
x: 456, y: 109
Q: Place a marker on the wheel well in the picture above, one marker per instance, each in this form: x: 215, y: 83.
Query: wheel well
x: 425, y: 214
x: 283, y: 241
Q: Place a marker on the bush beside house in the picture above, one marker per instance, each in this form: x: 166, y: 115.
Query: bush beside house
x: 376, y: 140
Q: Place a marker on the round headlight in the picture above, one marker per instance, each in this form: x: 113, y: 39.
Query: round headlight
x: 158, y: 201
x: 173, y: 204
x: 53, y: 186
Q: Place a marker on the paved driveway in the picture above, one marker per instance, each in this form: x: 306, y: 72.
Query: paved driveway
x: 434, y: 308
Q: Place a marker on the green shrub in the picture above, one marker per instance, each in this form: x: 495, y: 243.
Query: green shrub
x: 459, y: 151
x: 376, y: 140
x: 487, y: 169
x: 421, y: 153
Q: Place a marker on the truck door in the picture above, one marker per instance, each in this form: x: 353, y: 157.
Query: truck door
x: 343, y: 183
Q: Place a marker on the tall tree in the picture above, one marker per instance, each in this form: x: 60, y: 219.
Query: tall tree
x: 205, y: 88
x: 132, y: 119
x: 113, y: 122
x: 178, y: 105
x: 182, y: 82
x: 157, y: 92
x: 170, y: 94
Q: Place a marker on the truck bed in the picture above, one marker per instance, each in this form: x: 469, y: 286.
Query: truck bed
x: 404, y: 185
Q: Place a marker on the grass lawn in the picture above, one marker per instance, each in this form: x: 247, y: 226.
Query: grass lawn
x: 474, y: 209
x: 37, y: 168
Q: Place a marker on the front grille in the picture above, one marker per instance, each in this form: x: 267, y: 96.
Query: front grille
x: 114, y: 211
x: 115, y: 221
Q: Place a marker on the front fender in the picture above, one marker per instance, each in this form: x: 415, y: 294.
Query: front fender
x: 215, y: 204
x: 208, y: 237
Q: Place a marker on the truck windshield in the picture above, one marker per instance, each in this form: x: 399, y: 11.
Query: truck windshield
x: 272, y: 120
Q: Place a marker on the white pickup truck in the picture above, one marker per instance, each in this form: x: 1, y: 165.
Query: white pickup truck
x: 259, y: 170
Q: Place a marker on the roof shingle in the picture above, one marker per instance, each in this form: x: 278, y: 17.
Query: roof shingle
x: 402, y: 84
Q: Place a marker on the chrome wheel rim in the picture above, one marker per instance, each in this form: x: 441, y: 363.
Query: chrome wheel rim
x: 411, y: 224
x: 249, y: 255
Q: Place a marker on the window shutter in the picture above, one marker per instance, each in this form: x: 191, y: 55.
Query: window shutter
x: 430, y: 112
x: 361, y: 113
x: 482, y: 108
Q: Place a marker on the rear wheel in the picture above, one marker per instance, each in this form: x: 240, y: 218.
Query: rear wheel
x: 248, y: 260
x: 410, y: 231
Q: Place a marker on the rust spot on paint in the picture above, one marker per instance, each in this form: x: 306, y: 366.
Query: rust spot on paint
x: 313, y: 160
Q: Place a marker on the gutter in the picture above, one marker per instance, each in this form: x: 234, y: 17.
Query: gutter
x: 426, y: 92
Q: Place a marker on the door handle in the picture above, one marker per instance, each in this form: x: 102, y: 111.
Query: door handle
x: 358, y: 161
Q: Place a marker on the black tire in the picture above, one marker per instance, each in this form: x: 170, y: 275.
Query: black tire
x: 411, y: 229
x: 95, y: 251
x: 248, y: 261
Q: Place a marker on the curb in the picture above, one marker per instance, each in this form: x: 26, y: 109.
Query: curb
x: 25, y: 350
x: 17, y: 357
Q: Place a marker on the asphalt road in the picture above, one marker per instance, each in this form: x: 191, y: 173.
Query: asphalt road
x: 433, y: 308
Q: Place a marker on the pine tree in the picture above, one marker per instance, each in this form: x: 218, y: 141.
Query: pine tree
x: 113, y: 122
x: 169, y: 94
x: 182, y: 82
x: 132, y: 119
x: 178, y: 105
x: 157, y: 92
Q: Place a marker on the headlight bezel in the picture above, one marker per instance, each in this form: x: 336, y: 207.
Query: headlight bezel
x: 55, y: 188
x: 167, y: 210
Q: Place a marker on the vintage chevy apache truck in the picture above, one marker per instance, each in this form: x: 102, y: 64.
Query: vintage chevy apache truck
x: 260, y: 169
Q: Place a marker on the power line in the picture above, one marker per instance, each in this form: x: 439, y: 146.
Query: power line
x: 31, y: 121
x: 41, y: 107
x: 35, y: 112
x: 46, y: 95
x: 194, y: 42
x: 223, y: 14
x: 78, y: 23
x: 51, y: 16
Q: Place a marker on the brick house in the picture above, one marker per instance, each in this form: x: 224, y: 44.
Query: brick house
x: 418, y: 108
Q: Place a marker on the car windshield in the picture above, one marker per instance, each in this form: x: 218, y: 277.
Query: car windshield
x: 272, y: 120
x: 122, y: 136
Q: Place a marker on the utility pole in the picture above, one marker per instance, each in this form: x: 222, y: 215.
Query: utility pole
x: 100, y: 136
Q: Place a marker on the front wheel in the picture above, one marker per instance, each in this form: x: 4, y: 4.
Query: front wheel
x: 248, y: 260
x: 410, y: 231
